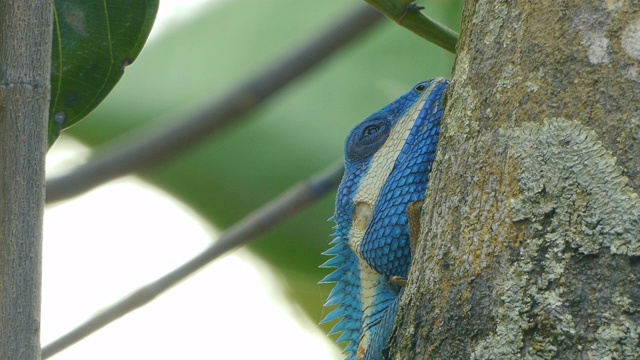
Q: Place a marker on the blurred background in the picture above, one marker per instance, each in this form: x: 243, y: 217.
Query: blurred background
x: 262, y: 302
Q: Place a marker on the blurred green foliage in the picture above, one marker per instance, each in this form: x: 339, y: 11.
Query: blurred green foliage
x: 297, y: 133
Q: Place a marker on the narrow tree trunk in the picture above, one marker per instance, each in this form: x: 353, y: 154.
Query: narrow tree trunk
x: 531, y: 234
x: 25, y: 57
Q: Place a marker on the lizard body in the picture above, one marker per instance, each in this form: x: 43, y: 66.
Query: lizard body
x: 388, y: 158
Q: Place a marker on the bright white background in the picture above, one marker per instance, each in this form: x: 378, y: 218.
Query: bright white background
x: 102, y: 246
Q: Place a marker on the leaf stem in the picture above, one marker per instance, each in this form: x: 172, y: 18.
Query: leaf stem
x: 407, y: 14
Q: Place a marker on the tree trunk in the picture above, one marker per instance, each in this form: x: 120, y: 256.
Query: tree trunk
x: 25, y: 58
x: 530, y: 243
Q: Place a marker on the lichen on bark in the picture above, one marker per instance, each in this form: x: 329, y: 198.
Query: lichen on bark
x: 568, y: 177
x: 579, y: 212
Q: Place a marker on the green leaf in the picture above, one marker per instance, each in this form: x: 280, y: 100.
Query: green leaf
x: 93, y: 42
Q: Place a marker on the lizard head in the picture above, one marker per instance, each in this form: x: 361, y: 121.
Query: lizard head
x: 388, y: 157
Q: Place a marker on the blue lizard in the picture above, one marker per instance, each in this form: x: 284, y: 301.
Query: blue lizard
x: 388, y: 158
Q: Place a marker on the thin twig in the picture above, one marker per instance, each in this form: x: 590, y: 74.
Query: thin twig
x: 151, y: 147
x: 253, y: 225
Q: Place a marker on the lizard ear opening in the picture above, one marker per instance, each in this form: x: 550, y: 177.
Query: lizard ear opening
x: 366, y: 138
x: 362, y: 215
x: 360, y: 220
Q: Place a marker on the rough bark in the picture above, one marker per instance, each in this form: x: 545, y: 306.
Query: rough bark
x: 25, y: 57
x: 530, y: 242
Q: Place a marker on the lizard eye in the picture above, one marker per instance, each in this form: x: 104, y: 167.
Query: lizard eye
x: 420, y: 87
x: 370, y: 130
x: 367, y: 138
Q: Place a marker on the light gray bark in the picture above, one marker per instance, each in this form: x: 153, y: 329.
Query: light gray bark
x: 25, y: 58
x: 530, y: 243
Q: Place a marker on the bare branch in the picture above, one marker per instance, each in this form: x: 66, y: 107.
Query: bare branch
x: 150, y: 147
x: 248, y: 229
